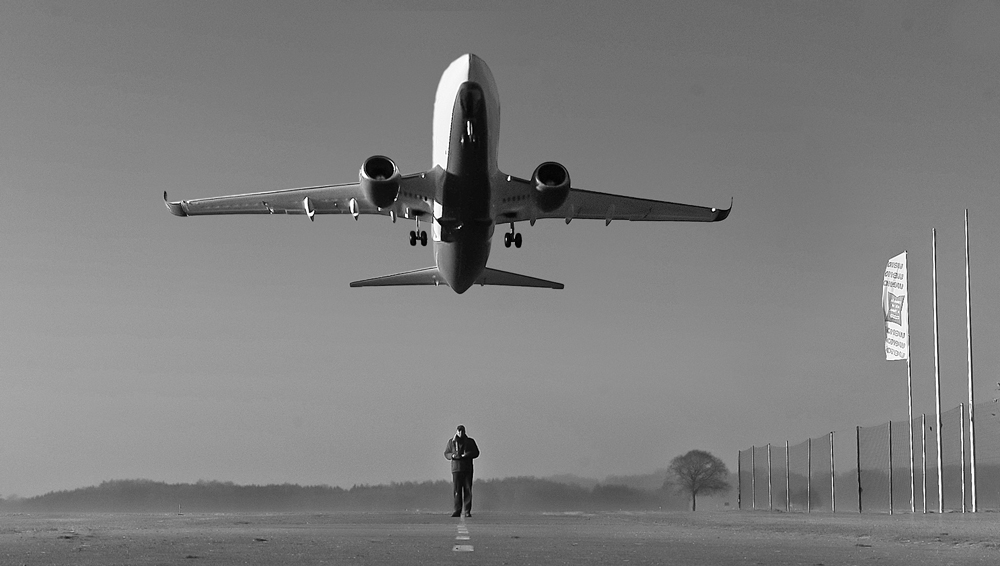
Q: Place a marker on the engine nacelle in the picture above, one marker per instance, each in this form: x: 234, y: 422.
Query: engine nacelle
x: 551, y: 181
x: 379, y: 178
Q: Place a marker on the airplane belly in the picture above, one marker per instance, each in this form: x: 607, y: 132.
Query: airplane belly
x: 462, y: 261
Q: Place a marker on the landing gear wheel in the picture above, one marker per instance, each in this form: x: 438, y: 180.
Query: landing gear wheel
x: 517, y: 240
x: 413, y: 238
x: 423, y: 238
x: 506, y: 240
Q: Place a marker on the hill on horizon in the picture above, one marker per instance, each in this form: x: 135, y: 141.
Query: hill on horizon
x: 556, y: 493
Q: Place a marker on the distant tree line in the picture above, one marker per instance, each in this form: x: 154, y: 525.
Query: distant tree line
x: 508, y: 494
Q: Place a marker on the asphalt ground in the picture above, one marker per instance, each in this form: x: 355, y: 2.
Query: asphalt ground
x: 724, y: 537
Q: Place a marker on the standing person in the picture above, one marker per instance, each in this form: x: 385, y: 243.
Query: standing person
x: 461, y: 450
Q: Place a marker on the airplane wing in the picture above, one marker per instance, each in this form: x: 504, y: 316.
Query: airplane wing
x: 605, y: 206
x: 415, y: 193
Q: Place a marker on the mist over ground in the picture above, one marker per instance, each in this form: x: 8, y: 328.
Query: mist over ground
x: 519, y: 494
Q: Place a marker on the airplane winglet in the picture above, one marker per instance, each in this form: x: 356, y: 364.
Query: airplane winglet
x: 175, y: 208
x: 722, y: 213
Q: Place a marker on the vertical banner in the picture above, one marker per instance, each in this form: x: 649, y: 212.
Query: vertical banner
x: 895, y: 308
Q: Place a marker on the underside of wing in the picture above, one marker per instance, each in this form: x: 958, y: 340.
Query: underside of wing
x: 590, y: 204
x: 604, y: 206
x: 415, y: 194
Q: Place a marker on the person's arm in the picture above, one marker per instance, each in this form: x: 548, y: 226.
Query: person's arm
x: 472, y: 449
x: 449, y: 450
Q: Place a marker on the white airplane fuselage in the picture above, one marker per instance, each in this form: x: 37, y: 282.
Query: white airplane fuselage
x: 463, y: 195
x: 466, y: 135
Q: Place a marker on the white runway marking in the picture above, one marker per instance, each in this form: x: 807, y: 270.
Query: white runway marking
x: 463, y: 535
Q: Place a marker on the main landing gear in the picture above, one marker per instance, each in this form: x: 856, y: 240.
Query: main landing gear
x: 512, y: 237
x: 418, y: 235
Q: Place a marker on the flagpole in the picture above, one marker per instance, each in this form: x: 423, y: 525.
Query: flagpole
x: 923, y: 456
x: 909, y: 397
x: 937, y: 371
x: 968, y: 333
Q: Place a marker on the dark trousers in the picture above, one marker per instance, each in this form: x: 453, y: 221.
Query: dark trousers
x: 462, y: 483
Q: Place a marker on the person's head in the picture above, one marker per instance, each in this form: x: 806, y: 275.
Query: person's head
x: 460, y: 432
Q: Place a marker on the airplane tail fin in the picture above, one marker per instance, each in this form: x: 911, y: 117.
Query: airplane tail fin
x: 431, y: 276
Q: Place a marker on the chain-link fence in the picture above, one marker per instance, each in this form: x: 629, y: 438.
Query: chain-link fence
x: 895, y: 468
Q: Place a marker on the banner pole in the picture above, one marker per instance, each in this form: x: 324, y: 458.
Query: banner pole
x: 961, y: 438
x: 909, y: 395
x: 937, y: 372
x: 909, y: 401
x: 972, y: 401
x: 890, y: 467
x: 923, y: 457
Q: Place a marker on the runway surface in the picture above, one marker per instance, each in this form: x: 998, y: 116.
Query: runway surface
x: 709, y: 538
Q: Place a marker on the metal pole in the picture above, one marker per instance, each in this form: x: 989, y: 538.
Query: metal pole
x: 809, y: 476
x: 972, y: 401
x: 961, y: 437
x: 833, y: 479
x: 787, y: 494
x: 937, y: 374
x: 770, y: 498
x: 753, y: 478
x: 890, y: 467
x: 858, y: 432
x: 739, y: 482
x: 909, y: 396
x: 923, y: 452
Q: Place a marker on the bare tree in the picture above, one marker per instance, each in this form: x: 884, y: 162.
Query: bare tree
x: 697, y: 472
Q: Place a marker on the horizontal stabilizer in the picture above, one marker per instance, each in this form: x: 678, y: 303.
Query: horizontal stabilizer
x: 431, y: 276
x: 425, y: 276
x: 497, y: 277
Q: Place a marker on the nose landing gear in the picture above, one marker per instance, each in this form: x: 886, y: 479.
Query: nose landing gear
x: 512, y: 237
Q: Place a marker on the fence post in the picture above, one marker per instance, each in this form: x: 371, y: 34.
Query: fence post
x: 770, y: 498
x: 739, y: 480
x: 809, y: 476
x: 833, y: 479
x: 858, y: 431
x: 753, y: 478
x: 787, y: 495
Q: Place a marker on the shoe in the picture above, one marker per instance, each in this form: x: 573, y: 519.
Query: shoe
x: 468, y: 514
x: 456, y: 514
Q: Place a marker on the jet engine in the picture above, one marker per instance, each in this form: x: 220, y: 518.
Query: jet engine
x: 379, y: 178
x: 551, y: 181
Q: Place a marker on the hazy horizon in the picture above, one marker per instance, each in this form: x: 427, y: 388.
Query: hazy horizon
x: 139, y: 344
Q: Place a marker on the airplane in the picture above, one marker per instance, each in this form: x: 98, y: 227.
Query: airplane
x: 463, y: 196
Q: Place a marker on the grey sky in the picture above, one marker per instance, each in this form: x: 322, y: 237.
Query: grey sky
x: 138, y: 344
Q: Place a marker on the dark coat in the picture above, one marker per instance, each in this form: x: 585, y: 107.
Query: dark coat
x: 461, y: 453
